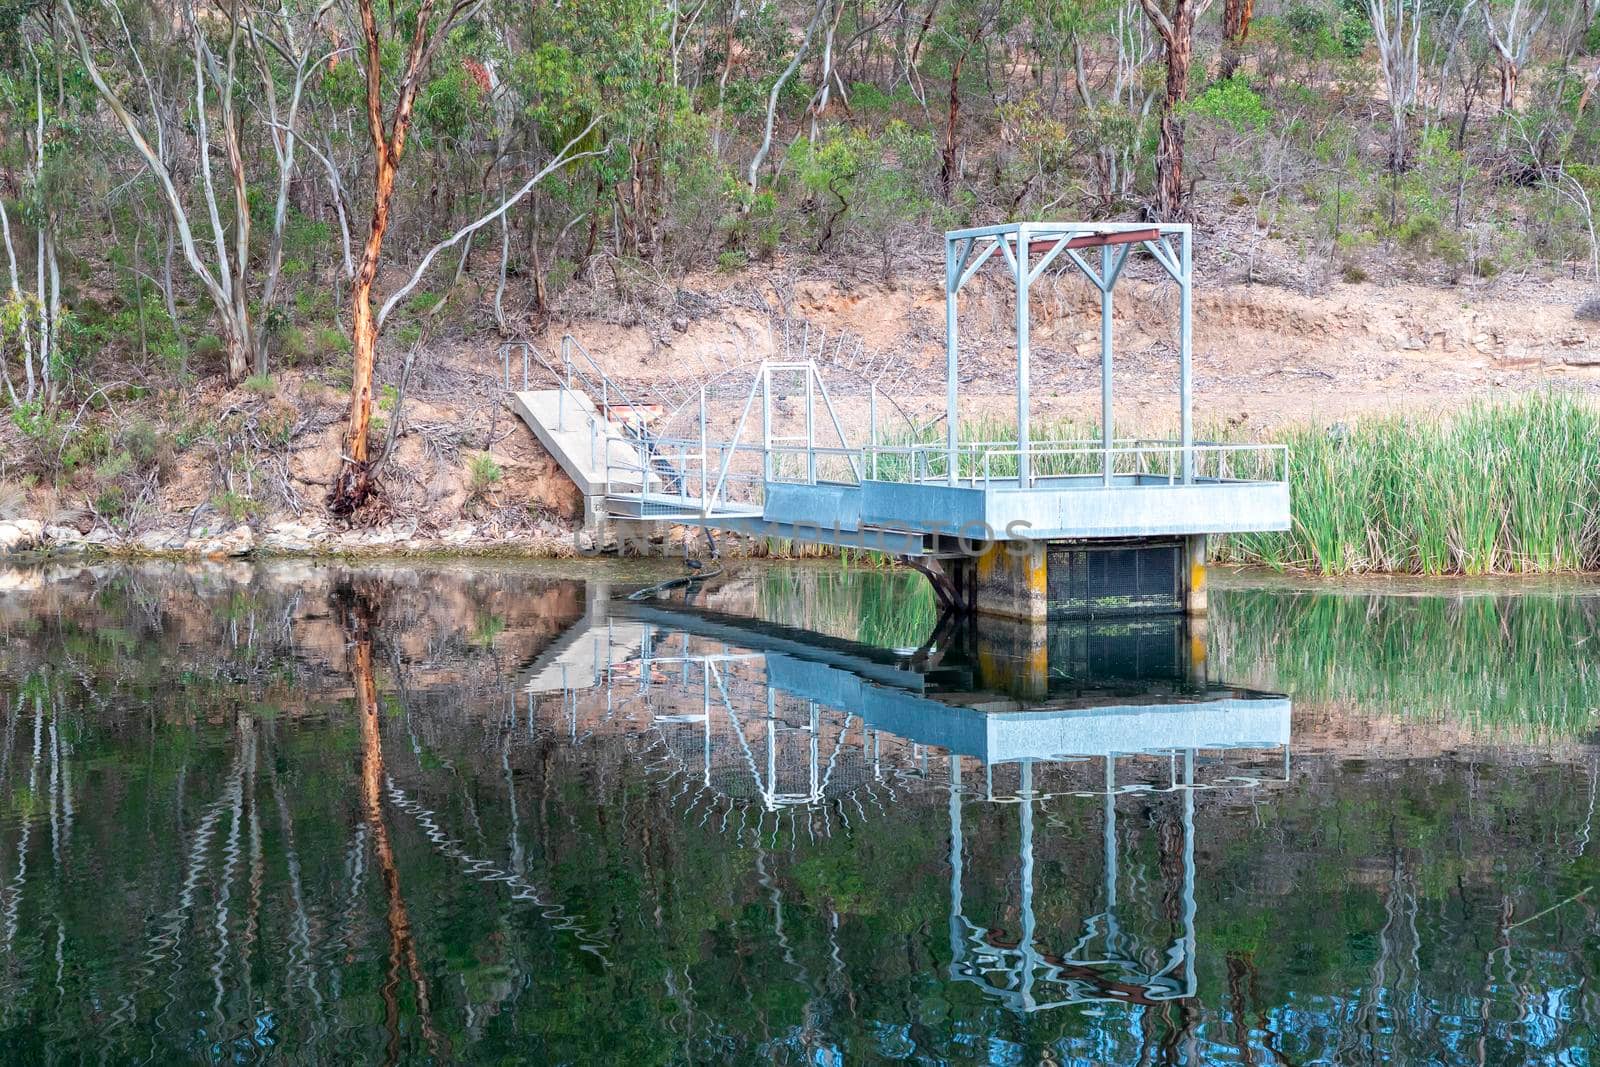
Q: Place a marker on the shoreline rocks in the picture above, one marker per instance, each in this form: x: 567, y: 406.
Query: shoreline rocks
x: 20, y: 535
x: 288, y: 538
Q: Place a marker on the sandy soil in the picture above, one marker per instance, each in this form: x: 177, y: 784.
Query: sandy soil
x: 1264, y: 355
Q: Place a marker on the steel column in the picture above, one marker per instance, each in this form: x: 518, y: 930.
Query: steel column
x: 1106, y: 436
x: 1185, y: 349
x: 766, y: 423
x: 952, y: 283
x: 811, y: 425
x: 705, y: 495
x: 872, y: 431
x: 1024, y: 468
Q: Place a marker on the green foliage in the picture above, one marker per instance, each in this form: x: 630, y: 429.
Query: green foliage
x: 869, y: 188
x: 234, y: 506
x: 1234, y: 104
x: 483, y: 474
x: 145, y: 442
x: 447, y: 104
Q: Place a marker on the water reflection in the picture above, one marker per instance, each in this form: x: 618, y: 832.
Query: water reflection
x: 749, y: 716
x: 336, y: 814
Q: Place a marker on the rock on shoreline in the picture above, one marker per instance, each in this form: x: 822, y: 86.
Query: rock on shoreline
x: 288, y: 538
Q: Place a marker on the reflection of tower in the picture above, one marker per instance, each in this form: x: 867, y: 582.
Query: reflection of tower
x: 1104, y: 963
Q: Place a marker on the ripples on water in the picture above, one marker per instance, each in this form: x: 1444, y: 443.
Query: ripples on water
x: 316, y: 814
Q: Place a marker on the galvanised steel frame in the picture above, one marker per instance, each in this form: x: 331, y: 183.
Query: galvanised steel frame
x: 966, y: 251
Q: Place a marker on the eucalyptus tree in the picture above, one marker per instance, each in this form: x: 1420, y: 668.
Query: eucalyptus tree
x: 1236, y: 15
x: 174, y: 84
x: 1397, y: 26
x: 964, y: 29
x: 387, y: 135
x: 29, y: 318
x: 1117, y: 103
x: 1174, y: 22
x: 1511, y: 33
x: 431, y: 31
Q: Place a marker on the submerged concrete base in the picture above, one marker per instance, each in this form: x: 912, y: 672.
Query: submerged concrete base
x: 1034, y: 581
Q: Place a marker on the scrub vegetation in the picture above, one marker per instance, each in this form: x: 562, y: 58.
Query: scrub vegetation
x: 207, y: 207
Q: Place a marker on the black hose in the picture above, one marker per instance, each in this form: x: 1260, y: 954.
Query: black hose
x: 675, y: 583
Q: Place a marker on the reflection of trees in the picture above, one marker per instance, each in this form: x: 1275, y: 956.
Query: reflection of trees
x: 179, y: 765
x: 357, y: 610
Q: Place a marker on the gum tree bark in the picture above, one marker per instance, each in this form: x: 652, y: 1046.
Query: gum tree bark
x: 1175, y: 26
x: 1512, y: 44
x: 353, y: 483
x: 1235, y: 31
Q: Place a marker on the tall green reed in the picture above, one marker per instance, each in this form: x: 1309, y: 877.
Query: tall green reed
x: 1510, y: 487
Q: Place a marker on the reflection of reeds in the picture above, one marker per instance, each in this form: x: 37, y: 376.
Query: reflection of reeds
x: 890, y: 609
x: 1519, y: 664
x: 1497, y: 488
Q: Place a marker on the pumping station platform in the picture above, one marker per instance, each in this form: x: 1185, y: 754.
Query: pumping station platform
x: 1027, y: 528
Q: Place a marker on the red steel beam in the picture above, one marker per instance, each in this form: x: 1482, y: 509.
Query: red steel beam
x: 1096, y: 240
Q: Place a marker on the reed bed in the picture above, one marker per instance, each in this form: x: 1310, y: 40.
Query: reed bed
x: 1507, y: 488
x: 1499, y: 488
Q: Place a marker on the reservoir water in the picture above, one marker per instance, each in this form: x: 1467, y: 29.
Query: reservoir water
x: 352, y: 813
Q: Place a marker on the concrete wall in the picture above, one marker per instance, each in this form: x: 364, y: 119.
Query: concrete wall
x: 1006, y: 578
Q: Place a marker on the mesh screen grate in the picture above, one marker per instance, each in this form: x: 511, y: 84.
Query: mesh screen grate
x: 1113, y: 581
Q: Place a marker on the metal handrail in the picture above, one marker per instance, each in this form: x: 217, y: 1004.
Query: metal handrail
x: 609, y: 396
x: 929, y: 462
x: 702, y: 458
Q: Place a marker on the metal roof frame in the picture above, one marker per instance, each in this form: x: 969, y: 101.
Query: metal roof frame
x: 1028, y: 249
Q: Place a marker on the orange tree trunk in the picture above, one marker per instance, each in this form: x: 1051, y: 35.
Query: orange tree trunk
x: 354, y: 481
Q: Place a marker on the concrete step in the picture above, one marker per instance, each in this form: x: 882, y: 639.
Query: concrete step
x: 580, y: 438
x: 580, y: 657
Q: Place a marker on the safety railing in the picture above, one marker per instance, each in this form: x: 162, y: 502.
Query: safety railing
x: 1080, y: 464
x: 674, y: 476
x: 577, y: 375
x: 689, y: 474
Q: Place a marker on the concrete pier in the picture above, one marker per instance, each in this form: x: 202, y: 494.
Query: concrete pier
x: 1068, y: 579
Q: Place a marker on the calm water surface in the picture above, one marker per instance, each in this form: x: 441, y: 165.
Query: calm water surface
x: 324, y: 814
